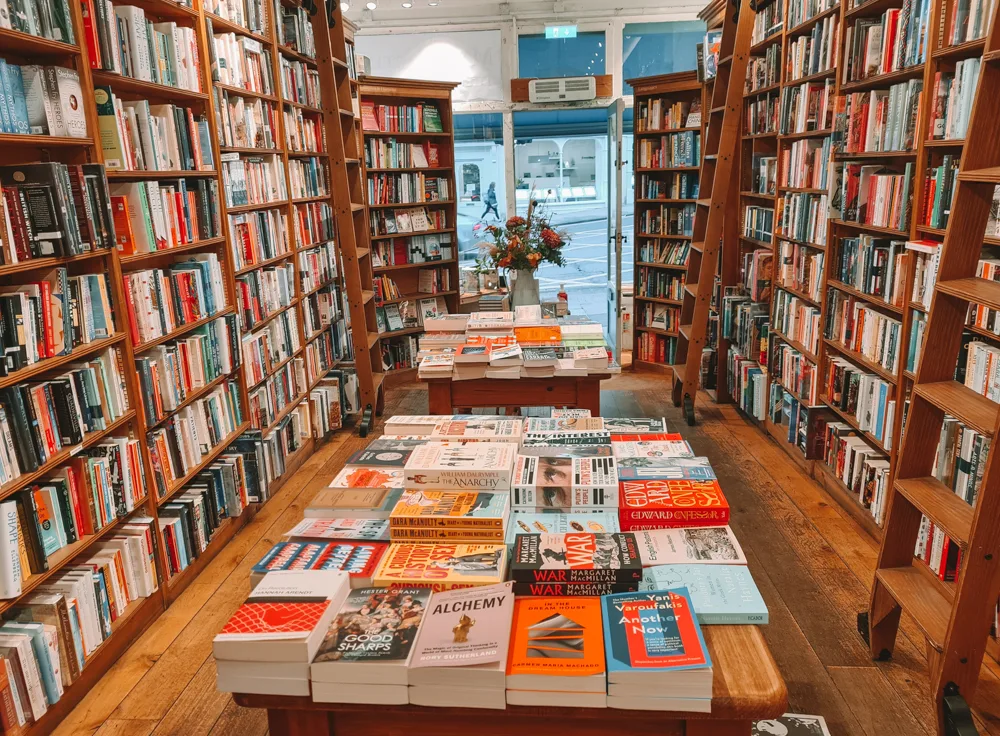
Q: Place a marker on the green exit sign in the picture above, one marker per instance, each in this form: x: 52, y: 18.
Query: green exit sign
x: 560, y: 31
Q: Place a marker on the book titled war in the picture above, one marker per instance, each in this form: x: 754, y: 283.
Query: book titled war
x: 654, y: 504
x: 567, y: 561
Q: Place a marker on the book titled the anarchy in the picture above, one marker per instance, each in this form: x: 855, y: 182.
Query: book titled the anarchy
x: 442, y: 566
x: 664, y: 468
x: 478, y: 466
x: 371, y: 530
x: 451, y: 509
x: 564, y: 483
x: 464, y: 638
x: 576, y: 557
x: 669, y: 503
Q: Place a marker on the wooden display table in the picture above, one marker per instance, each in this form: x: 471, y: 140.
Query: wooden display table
x: 747, y: 688
x: 579, y: 392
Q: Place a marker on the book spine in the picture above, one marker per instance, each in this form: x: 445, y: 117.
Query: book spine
x: 674, y: 517
x: 449, y: 534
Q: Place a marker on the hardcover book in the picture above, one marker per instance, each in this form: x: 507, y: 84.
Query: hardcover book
x: 576, y: 558
x: 560, y: 440
x: 368, y: 477
x: 526, y: 522
x: 673, y: 503
x: 640, y: 425
x: 385, y: 453
x: 712, y: 545
x: 665, y: 468
x: 371, y: 530
x: 564, y: 483
x: 543, y: 425
x: 508, y: 430
x: 354, y: 503
x: 479, y: 466
x: 464, y: 628
x: 652, y: 631
x: 675, y: 448
x: 442, y: 566
x: 557, y: 641
x: 454, y: 509
x: 720, y: 594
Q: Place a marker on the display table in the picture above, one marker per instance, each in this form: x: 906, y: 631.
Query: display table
x: 747, y: 688
x: 577, y: 392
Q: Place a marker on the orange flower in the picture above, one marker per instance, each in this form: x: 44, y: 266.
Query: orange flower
x: 534, y: 258
x: 504, y: 262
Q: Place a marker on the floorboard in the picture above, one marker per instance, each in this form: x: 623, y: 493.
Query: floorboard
x: 812, y: 562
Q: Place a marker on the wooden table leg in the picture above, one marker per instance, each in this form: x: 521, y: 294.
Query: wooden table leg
x: 696, y: 727
x: 588, y: 393
x: 299, y: 722
x: 439, y: 397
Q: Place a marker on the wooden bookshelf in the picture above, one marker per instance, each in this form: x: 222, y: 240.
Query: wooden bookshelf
x: 666, y: 90
x: 387, y: 91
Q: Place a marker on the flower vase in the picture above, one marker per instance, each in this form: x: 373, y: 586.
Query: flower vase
x: 524, y: 289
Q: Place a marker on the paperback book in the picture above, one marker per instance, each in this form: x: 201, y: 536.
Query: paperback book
x: 665, y: 468
x: 451, y: 509
x: 672, y: 503
x: 720, y: 594
x: 371, y: 530
x: 714, y: 545
x: 360, y: 503
x: 480, y: 466
x: 576, y: 558
x: 527, y: 522
x: 442, y: 566
x: 564, y: 483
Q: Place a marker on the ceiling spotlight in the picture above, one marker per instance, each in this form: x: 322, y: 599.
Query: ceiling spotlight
x: 371, y: 5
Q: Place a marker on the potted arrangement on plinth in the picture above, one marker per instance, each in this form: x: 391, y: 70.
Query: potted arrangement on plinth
x: 520, y: 246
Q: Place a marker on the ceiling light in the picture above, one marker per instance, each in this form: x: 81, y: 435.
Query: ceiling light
x: 371, y: 5
x: 344, y: 7
x: 407, y: 5
x: 433, y: 4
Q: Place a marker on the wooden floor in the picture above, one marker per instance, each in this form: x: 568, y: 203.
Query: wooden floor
x: 812, y: 563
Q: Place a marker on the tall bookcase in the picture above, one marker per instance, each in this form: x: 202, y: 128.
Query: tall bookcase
x: 315, y: 297
x: 381, y: 94
x: 667, y: 108
x: 809, y: 261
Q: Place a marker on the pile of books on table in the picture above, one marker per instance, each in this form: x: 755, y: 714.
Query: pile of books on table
x: 485, y: 561
x: 509, y: 345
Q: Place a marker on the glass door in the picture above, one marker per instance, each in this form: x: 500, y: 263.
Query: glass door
x: 616, y: 237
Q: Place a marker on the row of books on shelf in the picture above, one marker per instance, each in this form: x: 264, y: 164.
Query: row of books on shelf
x: 321, y: 309
x: 271, y: 345
x: 758, y: 222
x: 138, y: 136
x: 760, y: 116
x: 951, y: 100
x: 313, y: 223
x: 894, y: 41
x: 658, y: 114
x: 805, y: 108
x: 258, y: 236
x: 799, y: 11
x: 867, y: 397
x: 981, y: 316
x: 170, y: 373
x: 244, y: 13
x: 967, y: 21
x: 746, y: 384
x: 797, y: 320
x: 757, y: 273
x: 295, y: 30
x: 801, y: 421
x: 240, y: 61
x: 308, y: 177
x: 745, y: 324
x: 152, y: 216
x: 874, y: 195
x: 767, y: 24
x: 399, y: 354
x: 326, y: 351
x: 814, y: 53
x: 763, y: 71
x: 280, y: 390
x: 325, y: 409
x: 411, y: 220
x: 796, y: 372
x: 53, y: 634
x: 41, y: 100
x: 806, y: 163
x: 389, y: 153
x: 263, y: 292
x: 873, y: 265
x: 420, y: 118
x: 940, y: 184
x: 244, y: 122
x: 55, y: 210
x: 180, y: 443
x: 318, y: 266
x: 675, y: 185
x: 122, y: 39
x: 764, y: 169
x: 299, y: 82
x: 659, y: 317
x: 161, y: 300
x: 864, y: 329
x: 860, y: 467
x: 670, y: 150
x: 36, y: 18
x: 407, y: 188
x: 414, y: 249
x: 304, y: 132
x: 880, y: 120
x: 253, y: 180
x: 659, y: 284
x: 800, y: 267
x: 41, y: 419
x: 667, y: 219
x: 803, y: 217
x: 666, y: 252
x: 653, y: 348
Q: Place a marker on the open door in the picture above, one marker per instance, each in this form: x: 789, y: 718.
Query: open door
x: 616, y: 238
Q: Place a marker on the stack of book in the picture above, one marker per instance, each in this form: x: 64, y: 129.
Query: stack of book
x: 450, y: 516
x: 268, y: 644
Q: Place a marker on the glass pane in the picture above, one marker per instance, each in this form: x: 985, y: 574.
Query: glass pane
x: 469, y: 57
x: 560, y: 57
x: 479, y: 165
x: 659, y: 48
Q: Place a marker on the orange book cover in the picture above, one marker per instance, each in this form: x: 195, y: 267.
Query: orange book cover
x: 123, y: 226
x: 441, y: 566
x: 538, y: 335
x: 674, y: 502
x: 556, y: 636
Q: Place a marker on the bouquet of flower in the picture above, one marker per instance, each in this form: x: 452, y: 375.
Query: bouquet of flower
x: 524, y: 242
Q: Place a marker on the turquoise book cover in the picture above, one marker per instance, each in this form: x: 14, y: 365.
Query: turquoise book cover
x: 720, y: 594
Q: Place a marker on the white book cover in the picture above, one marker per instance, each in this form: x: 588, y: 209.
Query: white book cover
x: 558, y: 483
x: 563, y: 413
x: 369, y: 530
x: 563, y: 425
x: 713, y: 545
x: 666, y: 448
x: 476, y: 466
x: 506, y: 430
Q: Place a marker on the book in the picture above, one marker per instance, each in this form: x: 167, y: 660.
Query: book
x: 636, y: 425
x: 563, y: 425
x: 673, y: 448
x: 285, y: 617
x: 451, y: 509
x: 526, y: 522
x: 576, y: 557
x: 442, y: 566
x: 672, y: 503
x: 706, y: 545
x: 464, y: 639
x: 791, y: 724
x: 351, y: 503
x: 357, y: 559
x: 483, y: 466
x: 665, y: 468
x: 720, y: 594
x: 564, y: 483
x: 372, y: 530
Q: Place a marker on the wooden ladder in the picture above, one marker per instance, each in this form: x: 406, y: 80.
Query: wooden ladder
x: 953, y: 617
x: 718, y: 164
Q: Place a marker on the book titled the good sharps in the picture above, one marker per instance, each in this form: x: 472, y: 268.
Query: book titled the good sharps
x: 558, y: 483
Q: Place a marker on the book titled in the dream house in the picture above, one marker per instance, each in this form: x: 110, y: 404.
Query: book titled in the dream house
x: 666, y: 503
x: 477, y: 466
